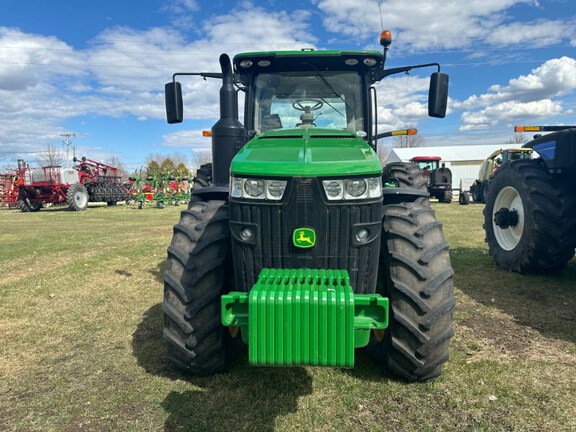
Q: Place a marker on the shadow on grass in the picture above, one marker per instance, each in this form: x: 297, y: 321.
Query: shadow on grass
x: 544, y: 303
x: 247, y: 398
x: 158, y: 272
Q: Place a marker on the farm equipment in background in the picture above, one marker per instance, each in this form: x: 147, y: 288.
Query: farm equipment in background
x: 529, y: 214
x: 479, y: 189
x: 293, y: 246
x: 159, y: 189
x: 50, y: 184
x: 9, y: 189
x: 140, y: 191
x: 88, y: 181
x: 180, y: 187
x: 102, y: 181
x: 438, y: 177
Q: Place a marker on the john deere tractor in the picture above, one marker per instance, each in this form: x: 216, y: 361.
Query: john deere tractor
x: 291, y: 244
x: 529, y: 213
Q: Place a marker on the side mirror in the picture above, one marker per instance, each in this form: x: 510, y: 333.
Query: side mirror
x: 438, y: 95
x: 174, y: 105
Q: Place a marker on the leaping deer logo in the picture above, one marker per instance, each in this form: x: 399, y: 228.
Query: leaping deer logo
x: 304, y: 237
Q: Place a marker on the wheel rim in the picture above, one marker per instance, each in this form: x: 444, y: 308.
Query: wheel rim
x: 508, y: 198
x: 80, y: 199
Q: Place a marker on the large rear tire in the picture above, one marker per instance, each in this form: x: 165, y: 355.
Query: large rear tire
x: 77, y: 197
x: 529, y: 219
x: 198, y: 272
x: 446, y: 197
x: 405, y: 175
x: 202, y: 179
x: 415, y: 266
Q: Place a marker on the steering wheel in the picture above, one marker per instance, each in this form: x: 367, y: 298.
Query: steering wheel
x: 300, y: 104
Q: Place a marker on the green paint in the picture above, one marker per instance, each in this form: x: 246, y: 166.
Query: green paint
x: 306, y: 152
x: 304, y: 317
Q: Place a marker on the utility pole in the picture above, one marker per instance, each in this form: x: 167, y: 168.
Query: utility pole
x: 68, y: 135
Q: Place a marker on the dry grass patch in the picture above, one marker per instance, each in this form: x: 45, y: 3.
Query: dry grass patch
x: 81, y: 346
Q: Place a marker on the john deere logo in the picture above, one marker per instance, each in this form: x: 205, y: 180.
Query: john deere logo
x: 304, y: 237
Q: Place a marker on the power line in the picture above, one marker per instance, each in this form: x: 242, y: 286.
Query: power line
x: 68, y: 135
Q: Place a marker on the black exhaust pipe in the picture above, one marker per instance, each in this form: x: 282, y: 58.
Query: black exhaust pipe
x: 228, y: 134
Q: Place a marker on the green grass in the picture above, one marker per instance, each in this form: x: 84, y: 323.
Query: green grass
x: 81, y: 346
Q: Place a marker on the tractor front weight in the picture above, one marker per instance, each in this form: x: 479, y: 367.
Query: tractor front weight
x: 304, y: 317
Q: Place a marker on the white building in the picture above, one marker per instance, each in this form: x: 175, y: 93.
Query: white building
x: 463, y: 161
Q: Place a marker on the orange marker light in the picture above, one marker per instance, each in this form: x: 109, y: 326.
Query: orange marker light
x: 207, y: 134
x: 385, y: 38
x: 404, y: 132
x: 527, y: 128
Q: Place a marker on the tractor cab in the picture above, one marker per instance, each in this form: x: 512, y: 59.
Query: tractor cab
x: 438, y: 176
x: 302, y: 89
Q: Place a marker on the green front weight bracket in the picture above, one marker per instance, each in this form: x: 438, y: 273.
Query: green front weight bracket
x: 304, y: 317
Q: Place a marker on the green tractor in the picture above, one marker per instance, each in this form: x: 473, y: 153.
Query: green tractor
x: 291, y: 244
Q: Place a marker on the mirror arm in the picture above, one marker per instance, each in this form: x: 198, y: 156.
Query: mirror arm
x: 383, y: 73
x: 202, y: 74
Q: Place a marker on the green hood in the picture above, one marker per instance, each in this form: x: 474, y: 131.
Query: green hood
x: 306, y: 152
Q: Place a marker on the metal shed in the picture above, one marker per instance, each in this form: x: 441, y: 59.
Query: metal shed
x: 463, y: 161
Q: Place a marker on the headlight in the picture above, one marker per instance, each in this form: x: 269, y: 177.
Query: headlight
x: 353, y: 189
x: 254, y: 187
x: 333, y: 189
x: 257, y: 188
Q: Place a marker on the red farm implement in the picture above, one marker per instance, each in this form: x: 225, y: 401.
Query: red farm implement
x: 88, y: 181
x: 51, y: 184
x: 9, y: 189
x: 102, y: 181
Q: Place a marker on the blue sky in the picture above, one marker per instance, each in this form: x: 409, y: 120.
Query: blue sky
x: 98, y: 68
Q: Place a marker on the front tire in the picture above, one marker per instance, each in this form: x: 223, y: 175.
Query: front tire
x: 529, y: 219
x: 25, y: 205
x: 198, y: 273
x: 77, y: 197
x: 464, y: 198
x: 417, y: 273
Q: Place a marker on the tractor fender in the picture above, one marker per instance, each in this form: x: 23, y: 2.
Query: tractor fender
x: 397, y: 195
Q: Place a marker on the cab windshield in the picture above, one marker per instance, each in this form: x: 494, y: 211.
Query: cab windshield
x: 303, y: 99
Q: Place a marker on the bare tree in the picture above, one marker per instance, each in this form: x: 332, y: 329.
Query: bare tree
x: 200, y: 158
x: 383, y: 151
x: 178, y: 158
x: 116, y: 162
x: 51, y: 156
x: 517, y: 138
x: 405, y: 141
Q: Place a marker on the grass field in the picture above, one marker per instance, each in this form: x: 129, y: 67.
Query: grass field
x: 81, y: 346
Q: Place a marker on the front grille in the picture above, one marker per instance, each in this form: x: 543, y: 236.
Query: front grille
x: 305, y: 206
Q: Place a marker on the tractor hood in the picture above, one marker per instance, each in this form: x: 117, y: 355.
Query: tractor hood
x: 306, y: 152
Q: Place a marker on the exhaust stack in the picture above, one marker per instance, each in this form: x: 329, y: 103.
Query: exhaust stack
x: 228, y: 134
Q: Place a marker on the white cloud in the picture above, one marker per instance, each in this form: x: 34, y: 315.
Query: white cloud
x: 187, y: 138
x: 45, y: 82
x: 425, y: 24
x: 527, y: 97
x: 510, y: 111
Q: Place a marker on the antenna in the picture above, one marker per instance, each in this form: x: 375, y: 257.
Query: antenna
x: 380, y: 9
